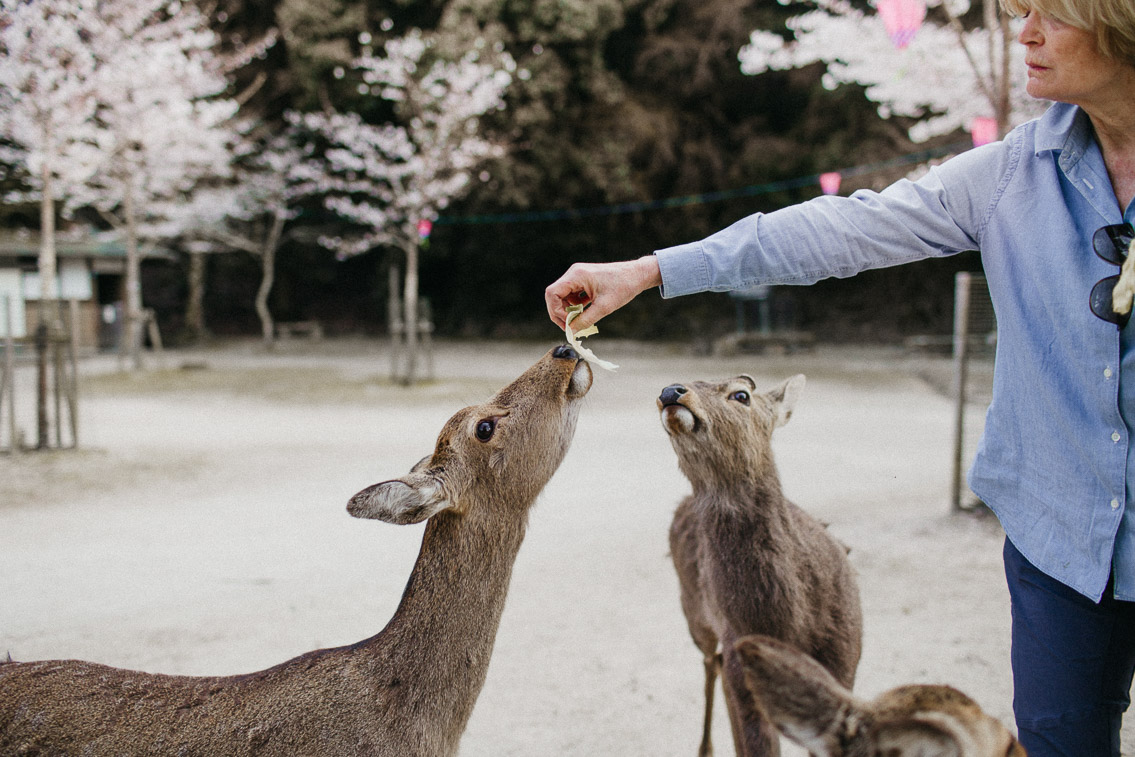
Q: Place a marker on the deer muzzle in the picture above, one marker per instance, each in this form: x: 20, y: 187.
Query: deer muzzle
x: 676, y: 417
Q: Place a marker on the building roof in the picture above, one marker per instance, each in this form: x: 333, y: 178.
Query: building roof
x: 100, y: 244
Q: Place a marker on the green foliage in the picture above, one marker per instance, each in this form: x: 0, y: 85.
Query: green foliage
x: 320, y: 36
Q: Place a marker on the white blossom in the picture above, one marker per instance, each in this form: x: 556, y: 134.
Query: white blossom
x: 151, y: 122
x: 47, y: 88
x: 945, y: 76
x: 387, y: 177
x: 161, y: 125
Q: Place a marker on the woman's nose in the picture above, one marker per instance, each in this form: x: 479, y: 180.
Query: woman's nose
x: 1030, y: 30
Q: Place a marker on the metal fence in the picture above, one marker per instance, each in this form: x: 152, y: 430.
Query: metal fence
x: 48, y: 402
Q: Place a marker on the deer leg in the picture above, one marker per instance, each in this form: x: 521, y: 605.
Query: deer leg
x: 712, y: 665
x: 753, y: 735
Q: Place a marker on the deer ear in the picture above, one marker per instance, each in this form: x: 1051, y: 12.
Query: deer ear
x: 797, y: 694
x: 784, y: 398
x: 410, y: 499
x: 915, y: 737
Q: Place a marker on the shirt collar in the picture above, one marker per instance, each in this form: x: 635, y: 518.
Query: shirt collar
x: 1065, y: 129
x: 1066, y: 132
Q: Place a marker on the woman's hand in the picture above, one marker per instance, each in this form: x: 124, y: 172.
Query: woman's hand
x: 604, y: 287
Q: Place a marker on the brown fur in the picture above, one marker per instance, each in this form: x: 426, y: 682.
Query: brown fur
x: 748, y: 560
x: 813, y: 709
x: 407, y: 691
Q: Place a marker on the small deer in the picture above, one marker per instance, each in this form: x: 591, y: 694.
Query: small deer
x: 813, y: 709
x: 408, y: 690
x: 748, y: 560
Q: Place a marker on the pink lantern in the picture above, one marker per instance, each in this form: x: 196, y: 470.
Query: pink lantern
x: 983, y: 130
x: 829, y: 182
x: 425, y: 226
x: 902, y: 19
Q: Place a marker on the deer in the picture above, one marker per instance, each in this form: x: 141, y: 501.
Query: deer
x: 407, y: 691
x: 810, y: 707
x: 749, y: 560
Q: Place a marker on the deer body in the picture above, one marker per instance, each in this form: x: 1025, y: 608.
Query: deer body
x: 409, y: 690
x: 748, y: 560
x: 813, y: 709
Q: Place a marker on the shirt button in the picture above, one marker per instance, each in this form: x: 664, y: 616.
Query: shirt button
x: 1115, y: 504
x: 1107, y: 373
x: 1115, y: 437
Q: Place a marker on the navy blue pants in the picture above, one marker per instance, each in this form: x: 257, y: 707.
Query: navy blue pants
x: 1073, y: 661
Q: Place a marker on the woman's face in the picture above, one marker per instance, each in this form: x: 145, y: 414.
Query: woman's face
x: 1065, y: 64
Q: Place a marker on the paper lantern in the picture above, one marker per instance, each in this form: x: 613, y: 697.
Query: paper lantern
x: 983, y: 130
x: 829, y: 182
x: 902, y: 19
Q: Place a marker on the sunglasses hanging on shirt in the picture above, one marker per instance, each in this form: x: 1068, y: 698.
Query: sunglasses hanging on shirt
x: 1111, y: 244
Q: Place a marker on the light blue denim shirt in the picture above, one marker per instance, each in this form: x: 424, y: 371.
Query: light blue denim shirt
x: 1054, y: 459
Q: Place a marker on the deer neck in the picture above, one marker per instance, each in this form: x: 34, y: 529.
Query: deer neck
x: 732, y: 472
x: 735, y: 511
x: 742, y: 493
x: 737, y: 529
x: 434, y: 653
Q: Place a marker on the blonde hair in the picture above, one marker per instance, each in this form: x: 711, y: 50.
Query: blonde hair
x: 1112, y: 21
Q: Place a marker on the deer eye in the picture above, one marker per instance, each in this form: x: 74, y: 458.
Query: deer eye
x: 740, y: 396
x: 485, y: 430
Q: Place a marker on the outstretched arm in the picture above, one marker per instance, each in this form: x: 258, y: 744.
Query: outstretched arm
x: 940, y: 214
x: 606, y: 286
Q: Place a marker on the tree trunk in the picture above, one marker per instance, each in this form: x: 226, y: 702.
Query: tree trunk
x: 47, y: 293
x: 47, y: 267
x: 133, y: 281
x: 1005, y: 107
x: 195, y: 308
x: 410, y: 314
x: 394, y: 320
x: 999, y: 38
x: 268, y: 277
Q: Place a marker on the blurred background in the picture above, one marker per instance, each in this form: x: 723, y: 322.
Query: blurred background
x: 210, y: 168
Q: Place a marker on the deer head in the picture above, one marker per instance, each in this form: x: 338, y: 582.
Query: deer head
x: 810, y: 707
x: 502, y: 451
x: 721, y: 430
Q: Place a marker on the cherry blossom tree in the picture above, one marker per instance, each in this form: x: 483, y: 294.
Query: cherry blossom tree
x: 248, y: 213
x: 944, y: 73
x: 387, y: 178
x: 161, y: 124
x: 47, y: 100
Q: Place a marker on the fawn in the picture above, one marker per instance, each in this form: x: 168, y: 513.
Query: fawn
x: 813, y: 709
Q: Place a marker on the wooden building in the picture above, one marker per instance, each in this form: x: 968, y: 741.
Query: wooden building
x: 91, y: 270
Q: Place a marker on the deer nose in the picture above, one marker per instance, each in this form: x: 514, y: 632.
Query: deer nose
x: 671, y: 394
x: 565, y: 352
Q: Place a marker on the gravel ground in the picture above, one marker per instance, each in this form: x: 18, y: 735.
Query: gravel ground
x: 200, y: 529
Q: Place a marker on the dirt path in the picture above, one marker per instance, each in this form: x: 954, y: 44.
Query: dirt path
x: 202, y: 530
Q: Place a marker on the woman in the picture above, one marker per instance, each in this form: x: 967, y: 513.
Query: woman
x: 1047, y: 208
